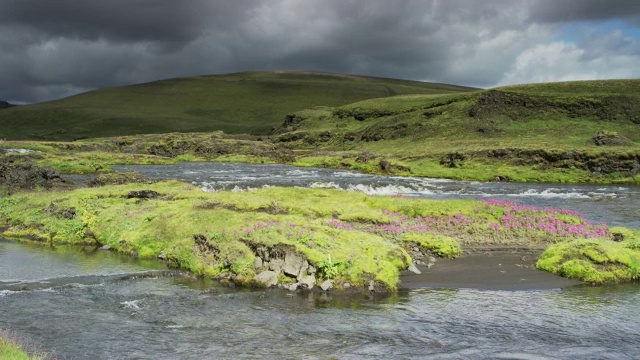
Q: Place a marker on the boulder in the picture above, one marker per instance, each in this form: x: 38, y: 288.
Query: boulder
x: 293, y: 263
x: 307, y: 282
x: 290, y: 287
x: 604, y: 138
x: 414, y: 269
x: 276, y: 265
x: 326, y: 285
x: 266, y: 278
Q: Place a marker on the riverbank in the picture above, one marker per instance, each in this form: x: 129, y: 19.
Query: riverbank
x: 10, y: 349
x: 303, y: 238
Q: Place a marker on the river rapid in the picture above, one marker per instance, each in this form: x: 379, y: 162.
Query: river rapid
x: 99, y: 305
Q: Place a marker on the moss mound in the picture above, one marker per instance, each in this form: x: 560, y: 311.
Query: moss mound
x: 596, y: 261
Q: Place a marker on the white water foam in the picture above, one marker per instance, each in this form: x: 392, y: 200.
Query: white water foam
x: 381, y: 190
x: 4, y: 293
x: 323, y: 185
x: 550, y: 194
x: 133, y: 304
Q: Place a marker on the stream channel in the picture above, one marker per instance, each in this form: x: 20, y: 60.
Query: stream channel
x: 93, y: 304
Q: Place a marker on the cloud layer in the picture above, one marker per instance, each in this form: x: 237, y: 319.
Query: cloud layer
x: 55, y: 49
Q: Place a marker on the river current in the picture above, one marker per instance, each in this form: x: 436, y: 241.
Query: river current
x: 98, y: 305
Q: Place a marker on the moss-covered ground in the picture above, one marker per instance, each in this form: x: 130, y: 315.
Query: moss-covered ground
x: 349, y: 237
x: 11, y: 350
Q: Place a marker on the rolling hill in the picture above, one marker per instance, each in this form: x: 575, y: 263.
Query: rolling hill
x: 249, y: 102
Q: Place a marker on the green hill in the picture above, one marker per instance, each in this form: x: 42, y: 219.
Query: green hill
x: 579, y: 129
x: 250, y: 102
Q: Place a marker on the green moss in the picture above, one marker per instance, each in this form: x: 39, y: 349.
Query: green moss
x: 594, y: 261
x: 440, y: 245
x: 348, y: 236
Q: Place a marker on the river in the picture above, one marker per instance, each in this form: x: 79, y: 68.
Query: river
x: 614, y: 205
x: 99, y: 305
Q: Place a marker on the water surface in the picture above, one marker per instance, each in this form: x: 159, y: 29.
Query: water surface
x: 173, y: 317
x: 611, y: 204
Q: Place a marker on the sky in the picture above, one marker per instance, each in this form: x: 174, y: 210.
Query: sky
x: 53, y: 49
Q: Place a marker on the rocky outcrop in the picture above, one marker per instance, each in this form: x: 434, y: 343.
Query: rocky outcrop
x: 142, y: 194
x: 607, y: 138
x: 594, y: 162
x: 282, y: 265
x: 4, y: 105
x: 26, y: 176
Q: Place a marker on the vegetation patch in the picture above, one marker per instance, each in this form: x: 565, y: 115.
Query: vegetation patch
x: 301, y: 238
x: 592, y: 261
x: 11, y: 349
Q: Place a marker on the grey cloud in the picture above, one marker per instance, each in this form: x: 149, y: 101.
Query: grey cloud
x: 166, y: 21
x: 587, y: 10
x: 53, y: 49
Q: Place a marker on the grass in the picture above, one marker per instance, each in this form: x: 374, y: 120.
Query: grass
x: 250, y: 102
x: 537, y: 132
x: 573, y: 132
x: 10, y: 349
x: 346, y: 236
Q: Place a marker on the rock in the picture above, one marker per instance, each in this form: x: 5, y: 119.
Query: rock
x: 15, y: 176
x: 311, y: 270
x: 276, y: 265
x: 326, y: 285
x: 162, y: 255
x: 257, y: 263
x: 372, y: 286
x: 384, y: 165
x: 604, y: 138
x: 134, y: 254
x: 346, y: 285
x: 303, y: 269
x: 105, y: 247
x: 308, y: 282
x: 143, y: 194
x: 293, y: 263
x: 266, y: 278
x: 290, y: 287
x: 414, y: 269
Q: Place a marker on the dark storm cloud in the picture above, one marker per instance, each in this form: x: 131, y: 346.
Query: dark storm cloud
x: 121, y: 20
x: 52, y: 49
x: 586, y: 10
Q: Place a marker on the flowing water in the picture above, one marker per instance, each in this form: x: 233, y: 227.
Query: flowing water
x: 98, y: 305
x: 615, y: 205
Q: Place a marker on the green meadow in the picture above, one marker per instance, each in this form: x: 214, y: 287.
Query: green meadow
x: 250, y: 102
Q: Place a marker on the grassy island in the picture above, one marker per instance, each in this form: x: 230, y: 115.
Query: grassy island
x: 304, y: 237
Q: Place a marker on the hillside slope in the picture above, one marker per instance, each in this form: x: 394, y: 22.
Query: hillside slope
x: 575, y: 128
x: 251, y: 102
